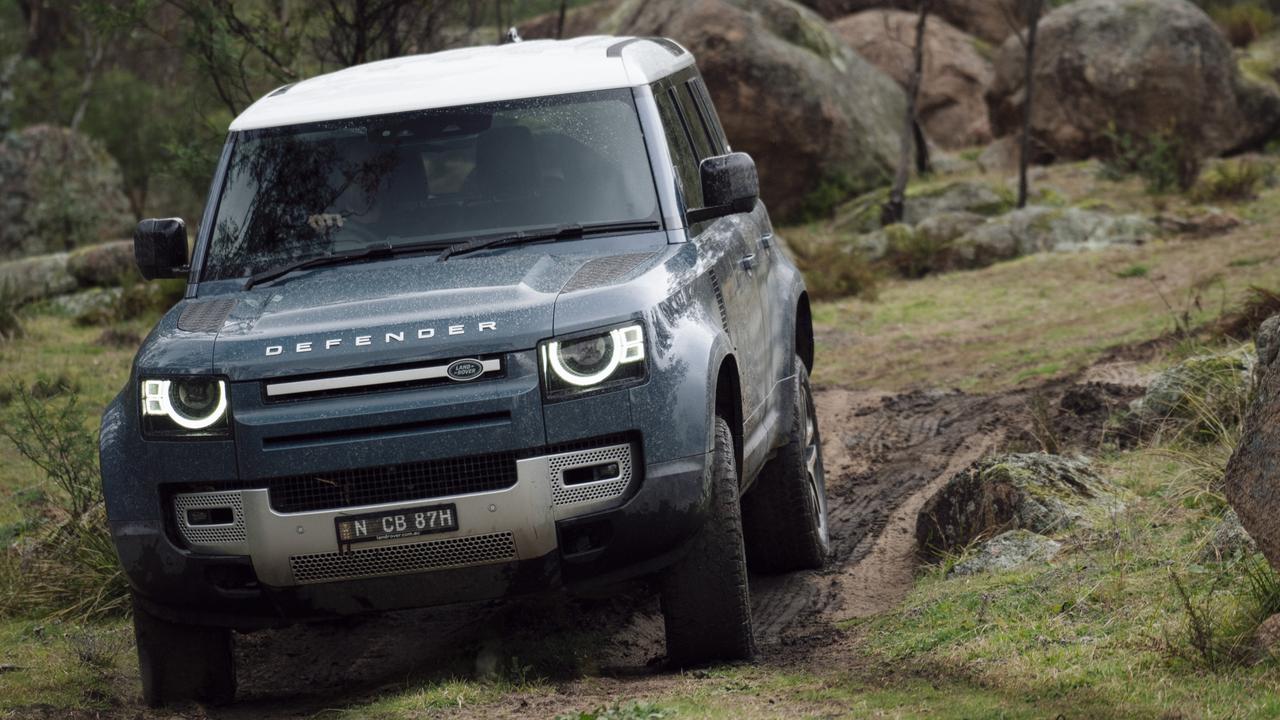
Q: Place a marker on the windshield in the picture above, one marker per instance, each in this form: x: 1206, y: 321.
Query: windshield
x: 298, y: 192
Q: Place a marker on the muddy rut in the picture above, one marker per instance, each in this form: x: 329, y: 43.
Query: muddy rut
x: 884, y: 454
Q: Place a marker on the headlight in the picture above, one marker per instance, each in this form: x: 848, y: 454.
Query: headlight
x: 180, y: 407
x: 597, y: 360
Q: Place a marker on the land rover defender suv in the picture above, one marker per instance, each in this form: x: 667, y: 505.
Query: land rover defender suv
x: 459, y: 327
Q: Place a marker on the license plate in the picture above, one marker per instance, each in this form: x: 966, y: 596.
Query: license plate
x: 396, y: 524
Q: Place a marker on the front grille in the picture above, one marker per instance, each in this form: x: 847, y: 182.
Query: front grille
x: 402, y: 559
x: 393, y: 483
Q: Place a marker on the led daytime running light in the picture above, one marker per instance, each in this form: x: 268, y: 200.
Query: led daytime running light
x: 155, y: 401
x: 628, y: 347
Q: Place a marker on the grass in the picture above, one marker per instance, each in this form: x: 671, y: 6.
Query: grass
x: 1040, y: 316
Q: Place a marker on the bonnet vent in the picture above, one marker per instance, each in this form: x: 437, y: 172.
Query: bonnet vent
x: 604, y: 271
x: 205, y: 316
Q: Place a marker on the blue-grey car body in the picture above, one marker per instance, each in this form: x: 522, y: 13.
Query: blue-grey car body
x: 722, y: 307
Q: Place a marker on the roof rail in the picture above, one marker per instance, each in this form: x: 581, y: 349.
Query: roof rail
x: 615, y: 50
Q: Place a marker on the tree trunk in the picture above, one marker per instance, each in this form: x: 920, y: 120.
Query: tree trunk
x: 895, y: 207
x: 1024, y: 156
x: 564, y: 6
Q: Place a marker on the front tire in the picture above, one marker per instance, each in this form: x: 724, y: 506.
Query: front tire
x: 181, y: 663
x: 785, y: 512
x: 705, y: 598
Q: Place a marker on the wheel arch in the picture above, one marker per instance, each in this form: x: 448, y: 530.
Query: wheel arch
x: 728, y: 403
x: 804, y: 331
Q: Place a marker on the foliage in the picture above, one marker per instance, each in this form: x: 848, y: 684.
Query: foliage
x: 831, y: 271
x: 1234, y: 180
x: 1165, y: 160
x: 1244, y: 22
x: 822, y: 201
x: 1133, y: 271
x: 914, y: 254
x: 64, y: 563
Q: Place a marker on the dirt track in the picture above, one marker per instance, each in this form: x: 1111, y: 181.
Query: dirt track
x: 884, y: 454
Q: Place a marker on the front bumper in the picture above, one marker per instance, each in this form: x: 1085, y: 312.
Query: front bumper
x: 288, y: 566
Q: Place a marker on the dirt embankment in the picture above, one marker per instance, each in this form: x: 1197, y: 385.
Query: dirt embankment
x: 884, y: 454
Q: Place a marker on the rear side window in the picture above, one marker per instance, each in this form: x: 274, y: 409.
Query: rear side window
x: 683, y: 155
x: 709, y: 113
x: 704, y: 136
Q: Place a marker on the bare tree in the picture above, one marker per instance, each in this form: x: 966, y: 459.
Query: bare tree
x: 564, y: 7
x: 911, y: 135
x: 1031, y: 11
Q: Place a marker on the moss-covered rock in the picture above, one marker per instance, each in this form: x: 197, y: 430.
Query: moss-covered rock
x: 38, y: 277
x: 923, y: 201
x: 104, y: 264
x: 1200, y: 391
x: 58, y: 190
x: 1035, y: 491
x: 1036, y: 229
x: 1007, y: 551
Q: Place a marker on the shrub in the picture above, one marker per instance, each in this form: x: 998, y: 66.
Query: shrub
x: 914, y: 254
x: 1244, y: 22
x: 1234, y: 180
x: 63, y: 563
x: 1165, y: 160
x: 831, y: 271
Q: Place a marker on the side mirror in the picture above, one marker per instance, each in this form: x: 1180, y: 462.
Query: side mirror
x: 160, y: 248
x: 729, y: 185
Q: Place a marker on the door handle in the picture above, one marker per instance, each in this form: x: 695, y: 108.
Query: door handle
x: 748, y: 262
x: 766, y: 240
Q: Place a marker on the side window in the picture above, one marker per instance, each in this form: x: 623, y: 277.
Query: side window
x: 681, y: 145
x: 709, y: 110
x: 704, y: 136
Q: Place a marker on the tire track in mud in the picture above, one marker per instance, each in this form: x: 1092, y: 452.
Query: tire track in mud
x: 884, y: 454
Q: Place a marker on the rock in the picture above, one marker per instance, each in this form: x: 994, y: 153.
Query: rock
x: 862, y: 214
x: 1201, y: 224
x: 943, y: 163
x: 1267, y: 342
x: 105, y: 264
x: 582, y: 20
x: 772, y: 65
x: 1201, y: 389
x: 1036, y: 229
x: 950, y: 104
x: 946, y: 227
x: 58, y: 190
x: 1267, y: 637
x: 1001, y: 155
x: 1229, y: 540
x: 1250, y: 477
x: 85, y: 302
x: 1007, y: 551
x: 1036, y: 491
x: 988, y: 20
x: 37, y: 277
x: 1137, y: 67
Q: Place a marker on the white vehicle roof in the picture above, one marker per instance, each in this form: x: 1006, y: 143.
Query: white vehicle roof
x: 528, y: 69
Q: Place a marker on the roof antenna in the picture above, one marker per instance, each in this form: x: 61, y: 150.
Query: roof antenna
x: 512, y: 36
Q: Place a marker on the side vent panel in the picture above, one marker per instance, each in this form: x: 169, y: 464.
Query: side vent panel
x: 206, y: 316
x: 715, y: 287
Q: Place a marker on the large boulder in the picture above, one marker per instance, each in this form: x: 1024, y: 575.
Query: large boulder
x: 812, y: 112
x: 989, y: 20
x: 1250, y: 477
x: 950, y: 104
x: 1035, y: 491
x: 58, y: 190
x: 1135, y: 68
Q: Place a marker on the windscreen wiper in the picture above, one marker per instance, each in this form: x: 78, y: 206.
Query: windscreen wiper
x: 371, y: 252
x: 559, y: 232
